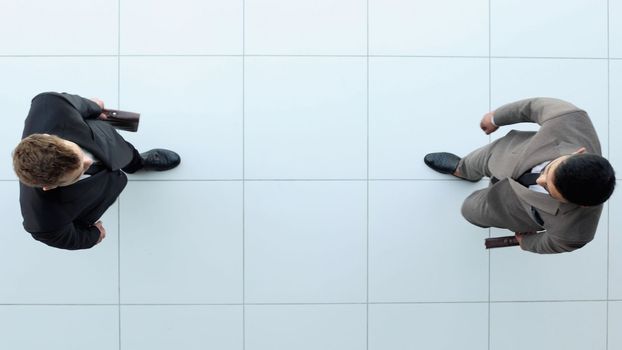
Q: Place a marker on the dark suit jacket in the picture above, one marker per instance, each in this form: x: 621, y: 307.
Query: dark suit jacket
x: 63, y: 217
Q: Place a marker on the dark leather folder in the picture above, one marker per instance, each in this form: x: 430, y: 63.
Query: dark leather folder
x: 122, y: 120
x: 500, y: 242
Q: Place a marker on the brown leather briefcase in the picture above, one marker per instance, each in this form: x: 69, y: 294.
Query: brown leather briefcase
x: 122, y: 120
x: 499, y: 242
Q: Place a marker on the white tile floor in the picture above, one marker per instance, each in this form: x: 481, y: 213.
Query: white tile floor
x: 302, y: 216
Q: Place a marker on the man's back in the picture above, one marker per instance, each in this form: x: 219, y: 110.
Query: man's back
x: 63, y: 217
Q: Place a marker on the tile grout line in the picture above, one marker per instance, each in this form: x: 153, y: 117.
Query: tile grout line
x: 316, y: 56
x: 289, y: 180
x: 243, y: 174
x: 429, y: 302
x: 327, y: 303
x: 119, y: 265
x: 489, y: 140
x: 609, y: 155
x: 119, y: 198
x: 367, y: 182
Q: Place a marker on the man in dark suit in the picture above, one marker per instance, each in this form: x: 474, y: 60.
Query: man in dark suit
x: 71, y: 165
x: 547, y: 186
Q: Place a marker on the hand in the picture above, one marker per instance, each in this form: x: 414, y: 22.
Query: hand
x: 579, y: 151
x: 102, y: 231
x: 519, y: 237
x: 100, y: 103
x: 487, y: 125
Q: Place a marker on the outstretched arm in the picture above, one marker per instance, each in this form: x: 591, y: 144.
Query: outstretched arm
x: 533, y: 110
x: 88, y: 108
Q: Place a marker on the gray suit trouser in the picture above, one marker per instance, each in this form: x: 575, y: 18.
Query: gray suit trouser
x: 474, y: 166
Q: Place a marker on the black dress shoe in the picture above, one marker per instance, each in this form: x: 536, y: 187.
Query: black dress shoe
x: 160, y: 159
x: 443, y: 162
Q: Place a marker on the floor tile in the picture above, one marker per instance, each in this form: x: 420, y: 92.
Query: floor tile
x: 544, y: 326
x: 517, y: 275
x: 181, y: 242
x: 425, y: 326
x: 196, y: 327
x: 25, y: 77
x: 615, y: 324
x: 305, y: 118
x: 580, y: 82
x: 305, y: 327
x: 320, y: 27
x: 200, y: 118
x: 423, y: 105
x: 64, y: 27
x: 29, y: 267
x: 59, y: 327
x: 615, y: 28
x: 447, y: 27
x: 183, y: 27
x: 305, y: 242
x: 557, y: 28
x: 615, y: 117
x: 414, y: 255
x: 615, y: 245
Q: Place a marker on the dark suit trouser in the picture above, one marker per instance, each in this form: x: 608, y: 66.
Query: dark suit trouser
x: 136, y: 163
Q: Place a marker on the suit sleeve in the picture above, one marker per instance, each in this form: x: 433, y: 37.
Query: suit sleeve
x: 70, y: 237
x: 534, y: 110
x: 564, y: 236
x: 543, y: 243
x: 87, y: 108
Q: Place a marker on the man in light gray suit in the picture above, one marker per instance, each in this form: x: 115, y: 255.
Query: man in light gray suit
x: 547, y: 186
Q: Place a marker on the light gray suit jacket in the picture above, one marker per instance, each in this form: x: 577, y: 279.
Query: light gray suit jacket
x: 564, y: 129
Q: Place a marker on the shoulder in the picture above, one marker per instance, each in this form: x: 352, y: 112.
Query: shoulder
x: 49, y: 113
x: 48, y: 96
x: 41, y: 211
x: 576, y: 226
x: 48, y: 103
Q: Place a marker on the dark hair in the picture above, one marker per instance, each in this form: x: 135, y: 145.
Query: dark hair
x: 585, y: 179
x: 42, y: 160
